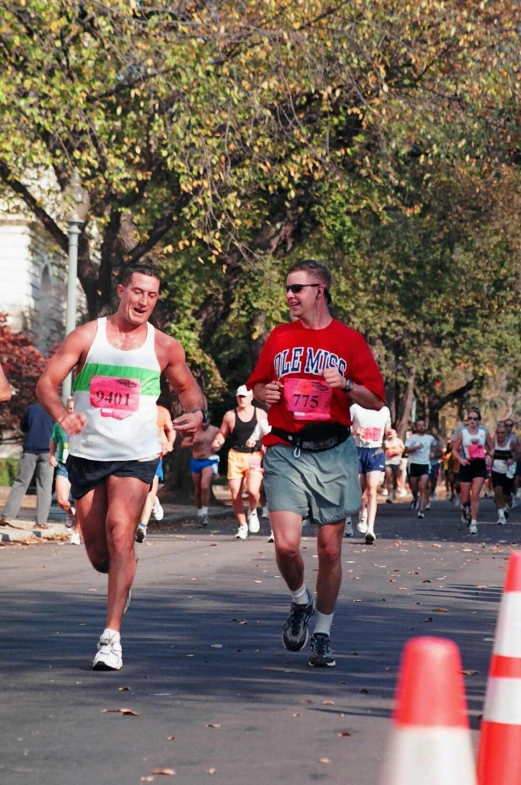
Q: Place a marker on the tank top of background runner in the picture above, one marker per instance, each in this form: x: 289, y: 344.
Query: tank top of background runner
x: 369, y: 425
x: 118, y: 390
x: 242, y: 432
x: 501, y: 456
x: 473, y: 444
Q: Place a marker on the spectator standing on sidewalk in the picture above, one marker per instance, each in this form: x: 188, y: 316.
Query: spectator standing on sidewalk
x: 37, y: 426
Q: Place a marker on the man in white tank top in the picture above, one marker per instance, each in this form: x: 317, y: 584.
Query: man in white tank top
x: 114, y: 444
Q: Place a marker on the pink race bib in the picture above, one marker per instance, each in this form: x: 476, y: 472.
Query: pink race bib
x: 117, y: 398
x: 308, y: 399
x: 371, y: 434
x: 476, y: 451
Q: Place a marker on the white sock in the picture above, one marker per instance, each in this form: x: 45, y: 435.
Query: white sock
x: 301, y: 595
x: 108, y: 633
x: 501, y: 512
x: 473, y: 522
x: 202, y: 511
x: 324, y: 622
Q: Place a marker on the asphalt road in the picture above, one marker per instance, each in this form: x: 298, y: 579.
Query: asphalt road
x: 217, y: 697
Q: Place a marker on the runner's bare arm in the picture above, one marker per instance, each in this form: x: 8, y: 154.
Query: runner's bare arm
x: 172, y: 359
x: 5, y: 387
x: 58, y: 368
x: 188, y: 441
x: 224, y: 431
x: 358, y: 393
x: 456, y: 447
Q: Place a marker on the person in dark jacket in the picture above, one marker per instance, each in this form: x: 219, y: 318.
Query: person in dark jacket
x: 37, y: 426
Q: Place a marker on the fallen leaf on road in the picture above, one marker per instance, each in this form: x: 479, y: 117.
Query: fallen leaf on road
x: 124, y: 689
x: 297, y: 714
x: 435, y: 545
x: 213, y: 725
x: 166, y: 772
x: 426, y: 581
x: 328, y: 703
x: 428, y: 618
x: 257, y: 581
x: 344, y: 733
x: 216, y: 645
x: 170, y: 738
x: 489, y: 640
x: 129, y: 712
x: 363, y: 691
x: 324, y: 760
x: 469, y: 673
x: 147, y: 779
x: 212, y: 771
x: 439, y: 610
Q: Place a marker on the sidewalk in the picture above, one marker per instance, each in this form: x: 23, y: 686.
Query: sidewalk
x: 22, y: 529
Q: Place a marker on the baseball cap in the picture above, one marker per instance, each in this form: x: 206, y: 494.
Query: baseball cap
x: 243, y: 390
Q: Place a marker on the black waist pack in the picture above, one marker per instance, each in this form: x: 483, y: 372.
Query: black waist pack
x: 315, y: 437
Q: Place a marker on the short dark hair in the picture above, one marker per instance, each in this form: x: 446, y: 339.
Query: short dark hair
x: 142, y: 268
x: 476, y: 410
x: 315, y: 269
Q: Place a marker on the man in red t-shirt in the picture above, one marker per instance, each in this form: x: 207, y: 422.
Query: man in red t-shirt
x: 310, y: 372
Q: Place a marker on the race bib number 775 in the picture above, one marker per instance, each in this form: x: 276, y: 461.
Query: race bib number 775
x: 308, y: 399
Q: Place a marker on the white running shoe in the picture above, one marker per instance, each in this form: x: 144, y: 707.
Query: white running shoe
x: 242, y: 532
x: 362, y: 522
x: 401, y: 492
x: 348, y: 530
x: 473, y: 527
x: 69, y: 521
x: 75, y: 538
x: 265, y: 513
x: 502, y: 520
x: 271, y: 538
x: 157, y: 511
x: 428, y: 506
x: 253, y: 521
x: 110, y: 655
x: 384, y: 492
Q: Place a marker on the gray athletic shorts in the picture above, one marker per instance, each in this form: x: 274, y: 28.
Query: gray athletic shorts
x: 322, y: 486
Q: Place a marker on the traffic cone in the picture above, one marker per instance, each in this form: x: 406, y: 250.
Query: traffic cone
x: 499, y: 753
x: 430, y: 738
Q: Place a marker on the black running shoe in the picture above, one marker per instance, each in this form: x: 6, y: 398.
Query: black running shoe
x: 295, y: 631
x: 321, y: 654
x: 141, y: 533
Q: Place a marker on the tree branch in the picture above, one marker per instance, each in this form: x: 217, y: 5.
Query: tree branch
x: 59, y: 237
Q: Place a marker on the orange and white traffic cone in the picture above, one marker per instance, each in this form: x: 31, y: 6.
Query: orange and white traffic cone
x: 430, y: 739
x: 499, y: 753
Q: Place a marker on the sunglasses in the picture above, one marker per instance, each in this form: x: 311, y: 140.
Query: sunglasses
x: 472, y: 418
x: 509, y: 424
x: 297, y: 287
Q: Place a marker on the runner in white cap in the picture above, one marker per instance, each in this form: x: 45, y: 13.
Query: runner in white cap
x: 244, y: 463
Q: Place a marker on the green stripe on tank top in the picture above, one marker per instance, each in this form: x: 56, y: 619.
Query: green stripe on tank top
x: 149, y: 379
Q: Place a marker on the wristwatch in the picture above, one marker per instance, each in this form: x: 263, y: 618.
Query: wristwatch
x: 349, y: 386
x: 205, y: 415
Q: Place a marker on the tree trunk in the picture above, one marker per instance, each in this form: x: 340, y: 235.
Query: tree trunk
x: 405, y: 409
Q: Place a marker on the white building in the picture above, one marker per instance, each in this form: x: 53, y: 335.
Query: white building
x: 32, y: 281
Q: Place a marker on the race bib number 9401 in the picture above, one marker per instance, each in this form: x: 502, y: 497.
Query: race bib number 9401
x: 117, y: 398
x: 308, y: 399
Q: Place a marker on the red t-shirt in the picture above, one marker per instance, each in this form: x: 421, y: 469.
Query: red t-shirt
x: 293, y: 352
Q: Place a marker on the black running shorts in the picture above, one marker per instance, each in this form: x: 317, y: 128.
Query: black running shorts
x: 84, y: 474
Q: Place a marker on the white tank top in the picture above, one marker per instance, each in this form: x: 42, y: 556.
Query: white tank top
x: 473, y: 444
x: 118, y: 390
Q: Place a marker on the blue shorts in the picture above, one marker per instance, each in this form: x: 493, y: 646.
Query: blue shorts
x: 159, y: 470
x: 370, y: 459
x: 61, y: 471
x: 198, y: 464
